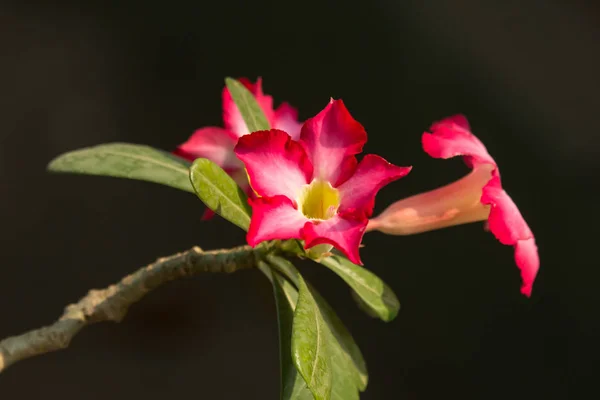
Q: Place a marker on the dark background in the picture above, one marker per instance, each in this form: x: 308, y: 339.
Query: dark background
x: 524, y: 72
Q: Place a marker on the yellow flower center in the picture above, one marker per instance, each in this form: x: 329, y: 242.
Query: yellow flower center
x: 319, y: 200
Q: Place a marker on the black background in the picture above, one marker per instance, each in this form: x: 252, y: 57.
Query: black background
x: 524, y: 72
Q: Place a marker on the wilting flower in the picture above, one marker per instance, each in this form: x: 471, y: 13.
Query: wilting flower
x: 217, y: 144
x: 476, y: 197
x: 313, y: 188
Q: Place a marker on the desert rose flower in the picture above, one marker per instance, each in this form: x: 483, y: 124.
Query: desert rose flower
x: 476, y: 197
x: 313, y: 188
x: 217, y: 144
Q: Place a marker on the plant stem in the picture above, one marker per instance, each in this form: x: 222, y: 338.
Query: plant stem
x: 112, y: 303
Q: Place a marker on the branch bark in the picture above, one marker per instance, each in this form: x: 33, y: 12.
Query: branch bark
x: 112, y: 303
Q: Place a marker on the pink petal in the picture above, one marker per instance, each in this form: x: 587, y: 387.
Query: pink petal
x: 344, y: 232
x: 286, y: 119
x: 505, y: 220
x: 458, y: 119
x: 373, y: 173
x: 528, y: 261
x: 231, y: 115
x: 213, y: 143
x: 276, y: 164
x: 274, y: 218
x: 509, y: 227
x: 347, y: 169
x: 208, y: 214
x: 451, y: 137
x: 330, y: 138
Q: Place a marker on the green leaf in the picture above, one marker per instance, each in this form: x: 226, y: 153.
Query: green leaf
x: 293, y: 386
x: 348, y: 368
x: 348, y: 364
x: 219, y: 192
x: 374, y: 293
x: 310, y: 337
x: 249, y: 108
x: 362, y: 305
x: 125, y: 160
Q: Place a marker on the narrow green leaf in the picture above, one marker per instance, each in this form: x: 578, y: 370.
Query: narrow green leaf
x: 249, y: 108
x: 348, y: 368
x: 219, y: 192
x: 293, y: 386
x: 310, y: 338
x: 347, y: 360
x: 374, y: 293
x: 126, y: 160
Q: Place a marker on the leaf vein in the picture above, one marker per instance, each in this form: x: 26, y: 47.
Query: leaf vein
x: 150, y: 160
x: 314, y: 368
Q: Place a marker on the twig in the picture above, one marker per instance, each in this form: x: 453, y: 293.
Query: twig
x: 112, y: 303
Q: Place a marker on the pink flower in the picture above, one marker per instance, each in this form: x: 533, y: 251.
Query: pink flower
x: 217, y: 144
x: 476, y: 197
x: 313, y: 188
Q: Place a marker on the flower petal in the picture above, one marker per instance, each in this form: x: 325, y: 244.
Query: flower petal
x: 458, y: 119
x: 286, y: 119
x: 231, y: 115
x: 213, y: 143
x: 373, y: 172
x: 509, y: 227
x: 505, y: 220
x: 276, y: 164
x: 207, y: 214
x: 528, y: 261
x: 274, y: 218
x: 342, y: 231
x: 451, y: 137
x: 330, y: 138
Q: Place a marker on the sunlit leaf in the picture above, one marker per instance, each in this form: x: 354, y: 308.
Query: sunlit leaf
x: 348, y: 369
x: 374, y: 293
x: 219, y: 192
x: 310, y: 341
x: 293, y: 386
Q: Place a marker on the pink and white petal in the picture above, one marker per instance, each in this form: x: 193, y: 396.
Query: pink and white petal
x: 276, y: 164
x: 451, y: 137
x: 347, y: 169
x: 232, y: 117
x: 509, y: 227
x: 286, y: 119
x: 357, y: 194
x: 264, y: 100
x: 344, y: 232
x: 274, y: 218
x: 329, y: 138
x: 213, y: 143
x: 528, y: 261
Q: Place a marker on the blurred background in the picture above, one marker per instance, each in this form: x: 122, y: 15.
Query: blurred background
x: 525, y: 73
